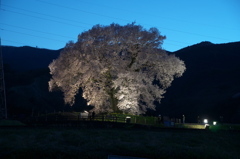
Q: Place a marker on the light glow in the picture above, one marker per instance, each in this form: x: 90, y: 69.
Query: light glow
x: 205, y: 121
x: 214, y: 123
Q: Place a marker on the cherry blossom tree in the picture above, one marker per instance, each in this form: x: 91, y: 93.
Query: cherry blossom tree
x: 119, y: 68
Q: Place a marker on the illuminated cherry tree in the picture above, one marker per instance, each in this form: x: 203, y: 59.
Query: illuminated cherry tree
x: 117, y: 67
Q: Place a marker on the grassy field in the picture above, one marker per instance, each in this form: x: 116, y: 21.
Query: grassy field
x: 22, y: 142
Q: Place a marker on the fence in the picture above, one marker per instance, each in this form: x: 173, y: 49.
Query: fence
x: 73, y: 119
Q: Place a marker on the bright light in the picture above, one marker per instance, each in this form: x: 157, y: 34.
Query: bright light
x: 214, y: 123
x: 205, y: 121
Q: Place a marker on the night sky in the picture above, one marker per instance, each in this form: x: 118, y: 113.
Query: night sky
x: 51, y: 24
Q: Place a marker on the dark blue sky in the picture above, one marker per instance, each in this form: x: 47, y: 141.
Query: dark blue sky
x: 51, y: 24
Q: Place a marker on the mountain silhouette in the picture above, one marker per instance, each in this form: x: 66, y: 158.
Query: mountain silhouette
x: 28, y: 58
x: 207, y: 87
x: 210, y: 86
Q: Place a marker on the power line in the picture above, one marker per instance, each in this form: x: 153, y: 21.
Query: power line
x: 37, y: 31
x: 71, y: 37
x: 152, y: 15
x: 62, y: 35
x: 48, y: 15
x: 31, y: 35
x: 83, y: 23
x: 59, y: 40
x: 56, y: 21
x: 130, y: 21
x: 62, y: 41
x: 42, y: 18
x: 98, y: 15
x: 84, y: 11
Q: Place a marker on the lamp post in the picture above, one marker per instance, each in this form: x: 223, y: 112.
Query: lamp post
x: 205, y: 121
x: 183, y: 119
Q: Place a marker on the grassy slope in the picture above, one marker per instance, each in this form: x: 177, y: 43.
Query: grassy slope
x: 99, y: 143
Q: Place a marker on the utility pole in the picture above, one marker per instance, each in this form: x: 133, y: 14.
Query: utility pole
x: 3, y: 106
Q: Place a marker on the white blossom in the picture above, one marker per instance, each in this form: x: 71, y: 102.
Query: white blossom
x: 117, y: 67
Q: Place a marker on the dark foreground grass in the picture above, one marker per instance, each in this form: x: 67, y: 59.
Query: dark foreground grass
x: 99, y: 143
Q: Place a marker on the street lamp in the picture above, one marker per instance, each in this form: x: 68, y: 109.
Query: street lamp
x: 205, y: 121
